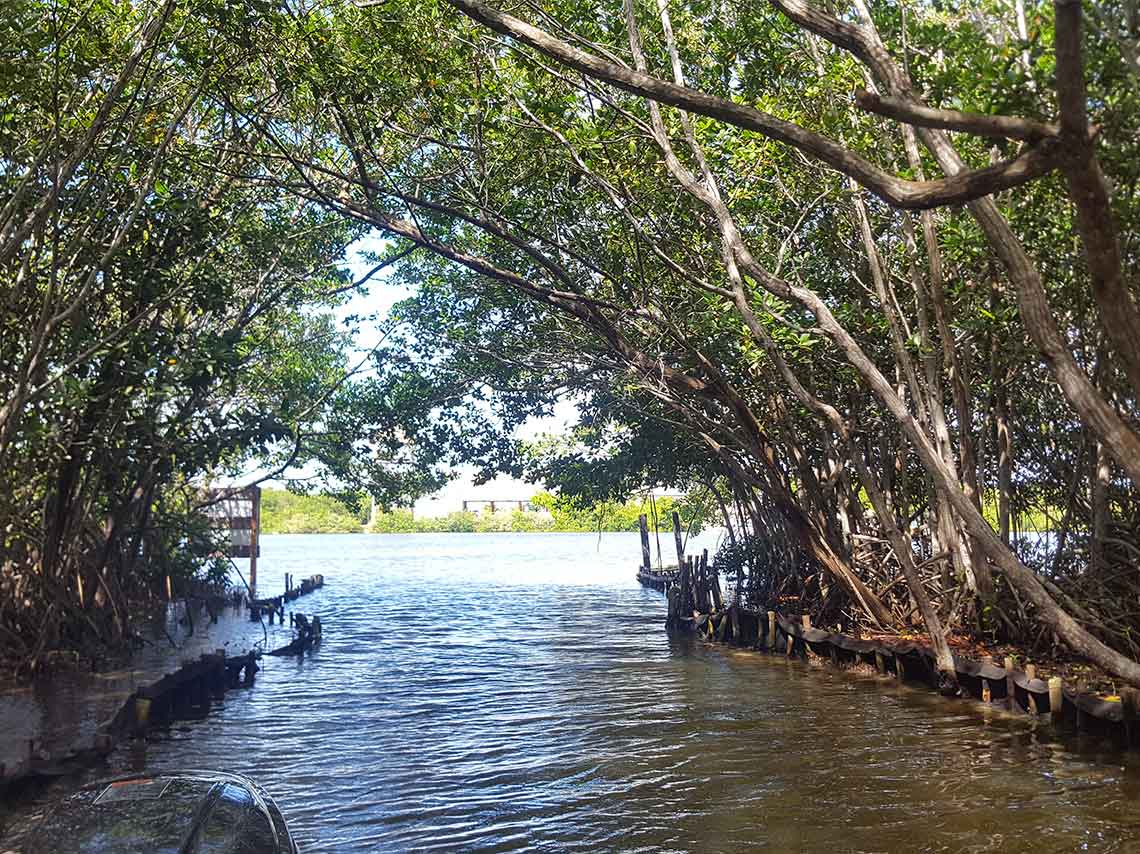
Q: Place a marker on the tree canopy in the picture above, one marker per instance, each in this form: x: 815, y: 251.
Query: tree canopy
x: 864, y: 273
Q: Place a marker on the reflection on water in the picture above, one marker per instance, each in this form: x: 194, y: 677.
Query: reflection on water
x: 58, y: 715
x: 506, y: 692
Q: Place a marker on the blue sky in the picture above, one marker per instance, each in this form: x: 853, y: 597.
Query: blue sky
x: 380, y: 294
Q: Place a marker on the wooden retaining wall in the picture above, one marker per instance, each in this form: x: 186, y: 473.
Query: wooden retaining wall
x: 275, y: 606
x: 185, y: 693
x: 1008, y: 688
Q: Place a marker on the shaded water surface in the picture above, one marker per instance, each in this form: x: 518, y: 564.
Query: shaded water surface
x: 506, y: 692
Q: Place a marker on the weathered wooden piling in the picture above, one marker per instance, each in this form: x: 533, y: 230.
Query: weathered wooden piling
x: 1030, y: 696
x: 677, y: 541
x: 643, y: 526
x: 1130, y: 709
x: 714, y: 581
x: 902, y: 659
x: 274, y: 607
x: 1010, y: 686
x: 1056, y: 698
x: 185, y: 692
x: 702, y: 584
x: 142, y: 712
x: 694, y: 585
x: 684, y: 593
x: 308, y: 635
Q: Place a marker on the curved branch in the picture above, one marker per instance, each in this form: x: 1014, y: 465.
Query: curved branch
x: 915, y: 195
x: 1088, y: 189
x: 864, y: 43
x: 978, y: 124
x: 1097, y: 413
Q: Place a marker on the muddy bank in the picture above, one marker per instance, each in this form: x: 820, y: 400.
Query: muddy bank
x: 70, y: 717
x: 1005, y: 686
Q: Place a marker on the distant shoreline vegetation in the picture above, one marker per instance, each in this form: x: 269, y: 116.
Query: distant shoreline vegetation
x: 285, y: 512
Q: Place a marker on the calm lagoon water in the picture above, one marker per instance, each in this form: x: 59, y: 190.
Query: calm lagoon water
x: 518, y: 692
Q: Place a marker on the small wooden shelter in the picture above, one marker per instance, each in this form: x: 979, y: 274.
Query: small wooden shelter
x: 239, y: 513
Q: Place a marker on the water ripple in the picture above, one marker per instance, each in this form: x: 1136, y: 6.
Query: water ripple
x: 517, y: 692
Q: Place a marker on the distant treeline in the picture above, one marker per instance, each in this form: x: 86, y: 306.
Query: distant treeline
x: 285, y: 512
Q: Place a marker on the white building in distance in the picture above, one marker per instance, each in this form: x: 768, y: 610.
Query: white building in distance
x: 503, y: 494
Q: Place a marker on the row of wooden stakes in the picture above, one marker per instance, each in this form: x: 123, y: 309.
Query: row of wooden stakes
x: 1019, y: 691
x: 696, y: 590
x: 184, y: 693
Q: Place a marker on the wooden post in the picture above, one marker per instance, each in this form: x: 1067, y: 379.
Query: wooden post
x: 771, y: 630
x: 695, y: 580
x: 254, y: 524
x: 1030, y: 697
x: 880, y: 662
x: 643, y: 525
x: 142, y: 712
x: 714, y: 581
x: 1056, y: 699
x: 706, y: 583
x: 1130, y: 706
x: 1010, y: 687
x: 790, y: 644
x: 694, y: 586
x: 806, y: 620
x: 684, y: 603
x: 677, y: 538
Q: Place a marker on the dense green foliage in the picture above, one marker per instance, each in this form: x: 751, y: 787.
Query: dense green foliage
x: 284, y: 512
x: 729, y: 313
x: 553, y: 515
x: 672, y: 215
x: 166, y: 317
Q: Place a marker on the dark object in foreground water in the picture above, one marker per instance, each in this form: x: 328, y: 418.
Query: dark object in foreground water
x: 190, y: 812
x: 308, y: 634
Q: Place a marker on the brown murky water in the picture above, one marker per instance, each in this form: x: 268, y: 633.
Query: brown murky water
x: 518, y: 692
